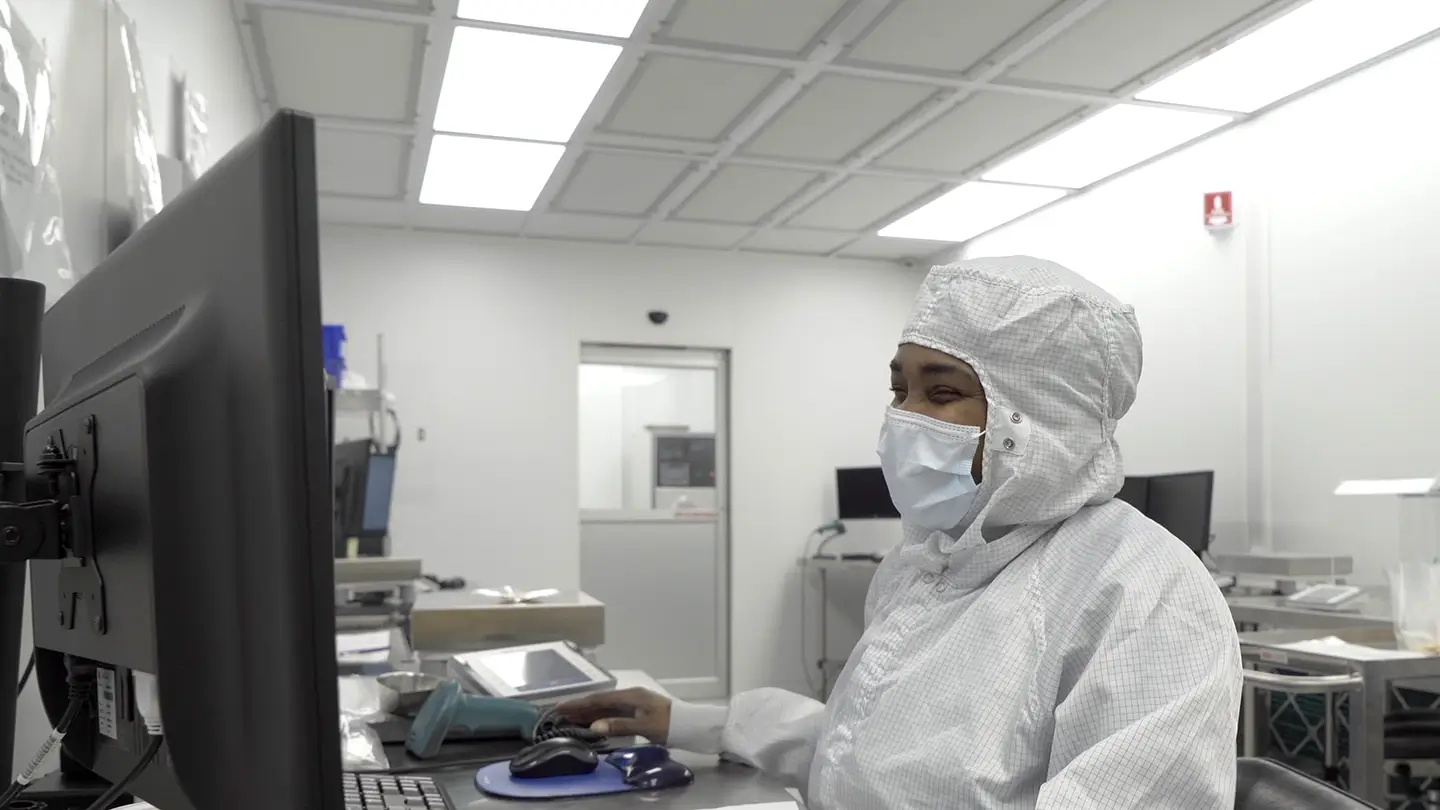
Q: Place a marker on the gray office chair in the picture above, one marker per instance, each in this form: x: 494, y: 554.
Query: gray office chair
x: 1264, y: 784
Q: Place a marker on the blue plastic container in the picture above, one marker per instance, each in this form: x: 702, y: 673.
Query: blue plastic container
x: 333, y: 337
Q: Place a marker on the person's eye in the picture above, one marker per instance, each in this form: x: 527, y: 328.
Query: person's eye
x: 898, y: 392
x: 943, y: 395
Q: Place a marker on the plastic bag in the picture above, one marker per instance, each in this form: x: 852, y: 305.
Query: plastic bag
x: 360, y: 746
x: 363, y: 701
x: 32, y: 231
x: 1415, y: 604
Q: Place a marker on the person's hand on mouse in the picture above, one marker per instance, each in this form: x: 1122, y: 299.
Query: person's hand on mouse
x: 623, y: 713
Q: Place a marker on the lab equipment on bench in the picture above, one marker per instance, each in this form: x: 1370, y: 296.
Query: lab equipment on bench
x: 449, y: 713
x: 186, y: 400
x: 1326, y: 597
x: 1286, y: 565
x: 444, y: 623
x: 538, y: 673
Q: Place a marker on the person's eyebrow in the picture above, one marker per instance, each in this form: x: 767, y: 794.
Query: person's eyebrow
x: 938, y: 369
x: 894, y: 366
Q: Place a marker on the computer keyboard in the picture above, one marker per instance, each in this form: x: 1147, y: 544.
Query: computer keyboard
x: 381, y: 792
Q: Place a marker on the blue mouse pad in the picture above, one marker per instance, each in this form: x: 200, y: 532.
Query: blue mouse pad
x: 497, y: 781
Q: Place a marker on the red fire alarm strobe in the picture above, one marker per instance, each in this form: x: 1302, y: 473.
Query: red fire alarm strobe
x: 1219, y: 210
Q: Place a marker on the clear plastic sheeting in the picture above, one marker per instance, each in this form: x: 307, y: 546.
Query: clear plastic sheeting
x: 362, y: 701
x: 1415, y: 601
x: 194, y: 131
x: 32, y: 239
x: 132, y: 129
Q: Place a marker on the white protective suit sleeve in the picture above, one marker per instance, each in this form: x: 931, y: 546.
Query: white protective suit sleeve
x: 1150, y: 722
x: 770, y: 729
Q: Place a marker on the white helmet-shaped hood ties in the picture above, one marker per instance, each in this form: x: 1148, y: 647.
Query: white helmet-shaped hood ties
x: 1059, y: 359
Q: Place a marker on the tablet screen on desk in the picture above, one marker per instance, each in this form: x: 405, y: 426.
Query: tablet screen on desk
x: 534, y: 670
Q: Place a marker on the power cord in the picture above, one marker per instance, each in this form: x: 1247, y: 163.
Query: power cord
x: 108, y: 797
x: 25, y: 676
x: 80, y: 684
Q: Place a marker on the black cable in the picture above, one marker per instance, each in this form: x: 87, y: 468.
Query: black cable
x: 25, y: 676
x: 108, y: 797
x: 77, y: 703
x: 805, y: 627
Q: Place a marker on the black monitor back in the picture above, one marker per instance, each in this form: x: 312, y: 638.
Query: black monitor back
x: 861, y: 493
x: 1181, y: 502
x: 1135, y: 491
x: 195, y: 348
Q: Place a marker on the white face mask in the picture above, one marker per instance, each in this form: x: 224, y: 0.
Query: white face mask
x: 927, y: 468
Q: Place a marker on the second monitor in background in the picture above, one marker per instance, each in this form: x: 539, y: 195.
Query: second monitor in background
x: 364, y: 484
x: 1179, y: 502
x: 861, y: 494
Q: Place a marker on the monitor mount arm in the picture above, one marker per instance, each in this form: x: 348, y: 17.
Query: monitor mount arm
x: 57, y: 526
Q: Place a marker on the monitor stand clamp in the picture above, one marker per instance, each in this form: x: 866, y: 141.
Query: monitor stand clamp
x: 56, y: 527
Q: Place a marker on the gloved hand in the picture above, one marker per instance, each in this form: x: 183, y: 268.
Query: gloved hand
x: 621, y: 713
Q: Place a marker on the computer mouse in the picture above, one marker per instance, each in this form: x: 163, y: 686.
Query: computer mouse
x: 560, y: 756
x: 667, y: 774
x: 638, y: 757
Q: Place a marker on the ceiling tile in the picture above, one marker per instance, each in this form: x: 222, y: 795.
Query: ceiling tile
x: 744, y: 194
x: 862, y: 202
x: 619, y: 184
x: 350, y: 211
x: 478, y: 220
x: 327, y: 64
x: 692, y: 234
x: 789, y: 240
x: 880, y: 247
x: 361, y: 163
x: 688, y: 98
x: 582, y: 226
x: 1124, y: 39
x: 981, y: 127
x: 384, y: 5
x: 764, y: 25
x: 835, y: 116
x: 946, y: 35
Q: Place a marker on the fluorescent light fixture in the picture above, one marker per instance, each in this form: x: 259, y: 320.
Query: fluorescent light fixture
x: 1309, y: 45
x: 520, y: 85
x: 609, y: 18
x: 970, y: 210
x: 486, y: 173
x: 1394, y: 486
x: 1110, y: 142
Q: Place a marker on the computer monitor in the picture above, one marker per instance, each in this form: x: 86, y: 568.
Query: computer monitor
x: 183, y: 377
x: 364, y: 483
x: 861, y: 493
x: 1181, y: 503
x: 1135, y: 491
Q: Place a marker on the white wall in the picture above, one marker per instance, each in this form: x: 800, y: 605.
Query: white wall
x: 1142, y: 238
x: 483, y: 340
x: 1299, y: 350
x: 195, y: 37
x: 1354, y: 272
